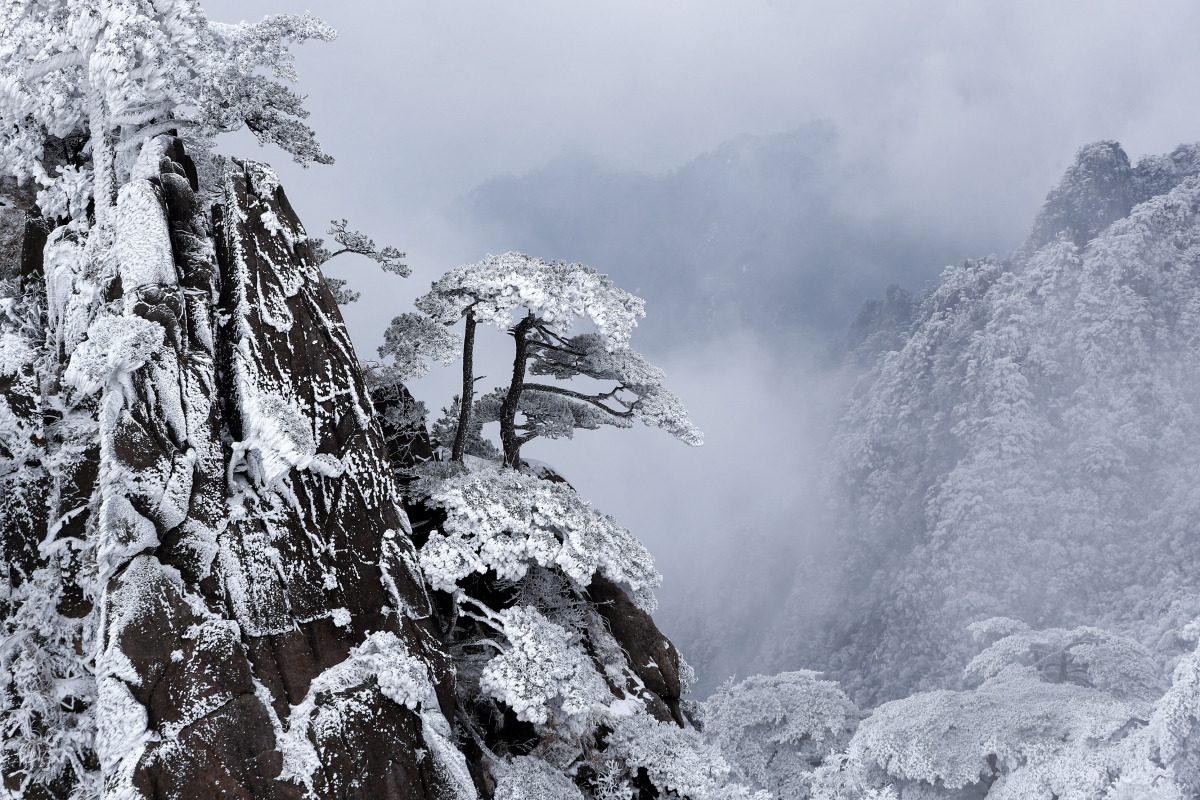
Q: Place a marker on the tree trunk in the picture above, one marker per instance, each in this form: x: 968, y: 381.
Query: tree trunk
x: 509, y: 437
x: 103, y: 159
x: 467, y: 399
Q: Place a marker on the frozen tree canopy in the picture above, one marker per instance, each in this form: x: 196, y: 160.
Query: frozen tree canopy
x: 549, y: 297
x: 505, y: 521
x: 776, y: 730
x: 119, y: 72
x: 556, y: 293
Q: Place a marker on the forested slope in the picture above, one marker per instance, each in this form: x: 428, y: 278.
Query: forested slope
x: 1028, y: 446
x: 1007, y: 602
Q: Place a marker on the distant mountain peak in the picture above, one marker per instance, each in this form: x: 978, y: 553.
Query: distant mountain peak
x: 1101, y: 187
x: 1094, y: 193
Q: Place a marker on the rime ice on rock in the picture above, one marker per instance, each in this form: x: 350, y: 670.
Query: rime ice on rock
x: 115, y: 348
x: 228, y: 584
x: 143, y: 242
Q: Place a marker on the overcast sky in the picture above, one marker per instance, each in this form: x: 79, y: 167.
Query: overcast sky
x: 972, y: 107
x: 954, y: 116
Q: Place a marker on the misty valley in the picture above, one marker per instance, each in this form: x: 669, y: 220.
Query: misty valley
x: 243, y: 558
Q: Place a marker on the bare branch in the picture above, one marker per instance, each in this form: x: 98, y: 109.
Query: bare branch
x: 593, y: 399
x: 389, y: 258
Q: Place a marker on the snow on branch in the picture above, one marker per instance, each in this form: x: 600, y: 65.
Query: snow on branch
x: 556, y: 292
x: 775, y: 729
x: 676, y: 760
x: 1051, y: 713
x: 114, y: 74
x: 639, y: 392
x: 388, y: 258
x: 412, y: 341
x: 543, y: 666
x: 228, y: 90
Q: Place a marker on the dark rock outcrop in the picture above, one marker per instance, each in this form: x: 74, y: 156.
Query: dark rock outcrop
x: 651, y: 655
x: 648, y: 667
x: 256, y: 576
x: 1101, y: 187
x: 212, y: 577
x: 22, y: 232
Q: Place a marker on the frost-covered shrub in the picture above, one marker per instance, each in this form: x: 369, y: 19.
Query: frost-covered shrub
x: 505, y: 521
x: 528, y: 778
x: 775, y: 730
x: 537, y: 666
x: 47, y: 692
x: 1026, y: 735
x: 675, y: 759
x: 1086, y: 656
x: 542, y: 664
x: 1173, y: 735
x: 1052, y: 713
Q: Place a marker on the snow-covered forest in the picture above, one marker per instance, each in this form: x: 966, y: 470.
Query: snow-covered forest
x: 242, y: 559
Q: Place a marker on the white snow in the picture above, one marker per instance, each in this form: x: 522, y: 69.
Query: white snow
x: 143, y: 241
x: 115, y: 348
x: 402, y: 678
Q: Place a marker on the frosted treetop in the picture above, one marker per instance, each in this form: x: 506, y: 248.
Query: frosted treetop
x: 555, y: 291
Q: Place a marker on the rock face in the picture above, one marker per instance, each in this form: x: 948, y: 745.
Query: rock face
x: 640, y: 665
x: 247, y: 574
x: 1094, y: 193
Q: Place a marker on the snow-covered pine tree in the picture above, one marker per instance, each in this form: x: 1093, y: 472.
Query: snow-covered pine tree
x: 549, y: 297
x: 114, y: 73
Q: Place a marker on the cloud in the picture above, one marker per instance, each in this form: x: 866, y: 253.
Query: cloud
x: 969, y: 107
